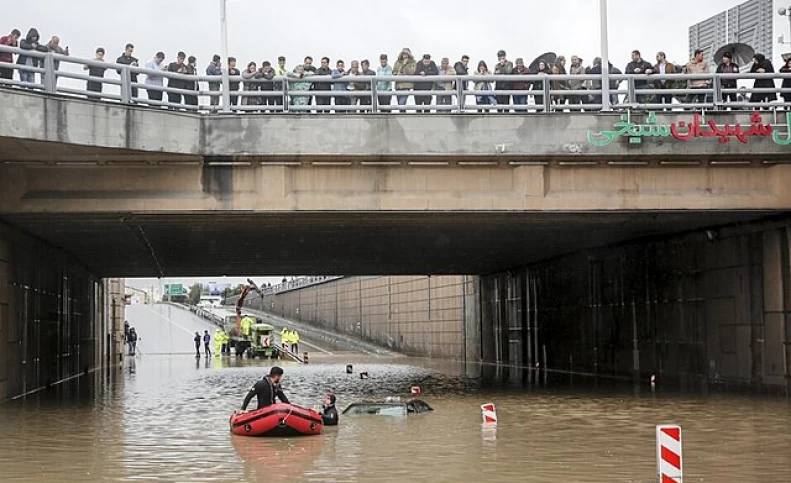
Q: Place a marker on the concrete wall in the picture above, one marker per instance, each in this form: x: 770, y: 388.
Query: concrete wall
x: 52, y: 316
x: 703, y: 307
x: 425, y: 316
x: 155, y: 131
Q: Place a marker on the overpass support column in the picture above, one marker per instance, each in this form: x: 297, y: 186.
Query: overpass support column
x: 776, y: 337
x: 472, y: 318
x: 115, y: 315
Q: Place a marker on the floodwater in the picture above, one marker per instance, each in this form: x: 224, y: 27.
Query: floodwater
x: 164, y: 418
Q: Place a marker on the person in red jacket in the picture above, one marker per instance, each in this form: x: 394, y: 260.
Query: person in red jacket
x: 11, y: 40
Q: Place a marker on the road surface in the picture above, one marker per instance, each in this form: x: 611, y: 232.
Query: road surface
x: 165, y: 329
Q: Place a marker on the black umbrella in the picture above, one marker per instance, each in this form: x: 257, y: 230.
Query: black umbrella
x: 742, y: 54
x: 550, y: 58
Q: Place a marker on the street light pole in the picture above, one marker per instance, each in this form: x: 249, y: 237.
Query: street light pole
x: 605, y: 57
x: 226, y: 84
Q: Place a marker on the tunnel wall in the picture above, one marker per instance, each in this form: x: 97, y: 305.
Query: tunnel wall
x: 423, y: 316
x: 711, y: 306
x: 52, y: 314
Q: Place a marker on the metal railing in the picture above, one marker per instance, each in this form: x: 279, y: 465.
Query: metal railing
x: 538, y: 93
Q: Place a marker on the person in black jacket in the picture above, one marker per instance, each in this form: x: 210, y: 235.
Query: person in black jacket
x: 727, y: 66
x: 190, y: 85
x: 328, y: 411
x: 323, y: 70
x: 762, y: 65
x: 30, y: 42
x: 425, y: 68
x: 266, y: 390
x: 233, y: 85
x: 786, y: 69
x: 128, y: 59
x: 178, y: 67
x: 640, y: 67
x: 96, y: 71
x: 461, y: 69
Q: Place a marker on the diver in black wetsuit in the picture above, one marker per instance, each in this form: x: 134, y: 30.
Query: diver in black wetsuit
x: 329, y: 414
x: 267, y: 389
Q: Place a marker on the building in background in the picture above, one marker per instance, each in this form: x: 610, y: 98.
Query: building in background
x: 750, y: 23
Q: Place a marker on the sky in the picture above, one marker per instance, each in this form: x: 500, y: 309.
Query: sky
x: 357, y: 29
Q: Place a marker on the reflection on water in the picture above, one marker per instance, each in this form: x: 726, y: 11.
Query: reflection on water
x: 166, y: 419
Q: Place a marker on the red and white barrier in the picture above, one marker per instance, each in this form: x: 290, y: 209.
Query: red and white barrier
x: 489, y: 413
x: 415, y: 390
x: 668, y: 454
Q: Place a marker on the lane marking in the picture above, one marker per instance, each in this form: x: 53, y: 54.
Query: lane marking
x: 191, y: 332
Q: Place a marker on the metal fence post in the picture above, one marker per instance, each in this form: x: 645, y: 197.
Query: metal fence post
x: 547, y: 99
x: 374, y: 96
x: 460, y: 94
x: 50, y: 81
x: 126, y: 86
x: 631, y: 95
x: 717, y: 85
x: 285, y: 93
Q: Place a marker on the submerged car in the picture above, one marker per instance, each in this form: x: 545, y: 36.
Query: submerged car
x: 389, y: 407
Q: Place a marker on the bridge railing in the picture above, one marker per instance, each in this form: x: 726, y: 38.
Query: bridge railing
x: 539, y: 93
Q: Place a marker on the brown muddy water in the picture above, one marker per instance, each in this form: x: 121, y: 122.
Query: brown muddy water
x: 165, y: 419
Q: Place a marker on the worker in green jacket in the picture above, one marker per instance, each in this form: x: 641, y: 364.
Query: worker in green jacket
x: 247, y: 326
x: 218, y: 342
x: 284, y: 335
x: 294, y: 342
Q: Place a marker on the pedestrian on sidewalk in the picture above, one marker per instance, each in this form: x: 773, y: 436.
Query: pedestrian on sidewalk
x: 206, y: 343
x: 132, y: 342
x: 197, y: 340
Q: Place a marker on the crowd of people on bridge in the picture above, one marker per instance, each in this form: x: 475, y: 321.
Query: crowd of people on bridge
x: 339, y: 78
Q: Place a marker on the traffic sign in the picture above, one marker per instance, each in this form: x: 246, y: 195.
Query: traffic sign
x: 175, y: 289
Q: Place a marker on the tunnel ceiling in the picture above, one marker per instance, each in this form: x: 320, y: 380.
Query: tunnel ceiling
x: 214, y: 244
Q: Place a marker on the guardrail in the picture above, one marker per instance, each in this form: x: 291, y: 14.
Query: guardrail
x: 539, y: 93
x: 295, y: 284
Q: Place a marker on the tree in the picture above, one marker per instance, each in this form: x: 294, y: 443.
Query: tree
x: 196, y: 290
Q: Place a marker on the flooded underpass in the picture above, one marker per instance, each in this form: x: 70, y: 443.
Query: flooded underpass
x: 165, y: 418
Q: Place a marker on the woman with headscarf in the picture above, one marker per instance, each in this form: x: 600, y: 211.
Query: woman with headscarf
x: 248, y: 76
x: 762, y: 65
x: 484, y: 99
x: 298, y: 84
x: 543, y: 69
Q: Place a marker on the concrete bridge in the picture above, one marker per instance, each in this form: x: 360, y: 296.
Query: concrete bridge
x: 530, y: 205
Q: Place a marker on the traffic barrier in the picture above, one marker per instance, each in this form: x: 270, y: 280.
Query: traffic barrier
x: 489, y: 413
x: 363, y: 375
x: 349, y: 369
x: 415, y: 390
x: 668, y: 454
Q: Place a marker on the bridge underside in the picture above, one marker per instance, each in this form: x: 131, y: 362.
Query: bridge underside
x: 350, y: 243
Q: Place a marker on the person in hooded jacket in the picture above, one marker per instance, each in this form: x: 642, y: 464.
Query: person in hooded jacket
x: 786, y: 69
x: 250, y: 74
x: 190, y: 85
x: 484, y: 99
x: 30, y: 42
x: 405, y: 65
x: 762, y: 65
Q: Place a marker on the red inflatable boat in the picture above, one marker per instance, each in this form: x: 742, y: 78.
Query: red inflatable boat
x: 278, y: 420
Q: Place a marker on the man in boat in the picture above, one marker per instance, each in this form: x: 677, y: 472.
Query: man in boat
x: 266, y: 390
x: 329, y: 414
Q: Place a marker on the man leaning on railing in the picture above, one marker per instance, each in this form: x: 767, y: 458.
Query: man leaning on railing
x: 10, y: 40
x: 30, y: 42
x: 698, y: 65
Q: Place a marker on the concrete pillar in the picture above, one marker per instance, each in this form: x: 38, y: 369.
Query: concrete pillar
x: 5, y: 316
x: 472, y: 318
x: 115, y: 315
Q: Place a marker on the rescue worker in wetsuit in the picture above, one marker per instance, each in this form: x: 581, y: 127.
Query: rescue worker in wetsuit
x: 266, y: 390
x: 329, y: 414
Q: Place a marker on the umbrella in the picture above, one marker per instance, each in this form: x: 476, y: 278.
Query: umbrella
x: 550, y: 58
x: 742, y: 54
